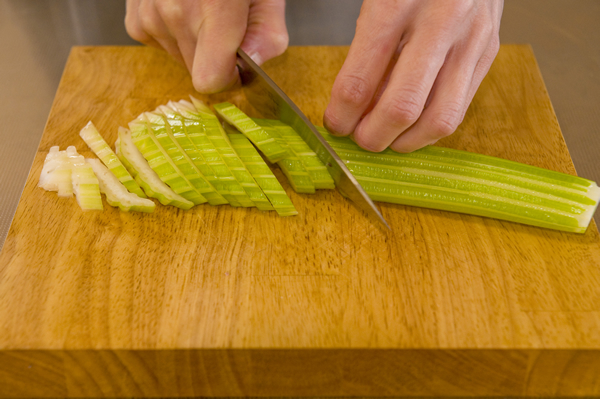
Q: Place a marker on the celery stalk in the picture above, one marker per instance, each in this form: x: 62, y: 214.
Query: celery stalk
x: 261, y: 139
x: 263, y: 175
x: 459, y: 181
x: 86, y: 187
x: 164, y: 136
x: 116, y: 193
x: 160, y: 162
x: 143, y: 174
x: 94, y: 140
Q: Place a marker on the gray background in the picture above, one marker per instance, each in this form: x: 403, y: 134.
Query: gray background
x: 36, y: 36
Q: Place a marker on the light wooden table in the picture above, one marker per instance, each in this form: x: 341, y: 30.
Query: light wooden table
x: 219, y: 301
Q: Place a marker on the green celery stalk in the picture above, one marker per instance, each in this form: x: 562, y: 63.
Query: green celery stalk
x: 144, y: 139
x: 459, y: 181
x: 261, y: 139
x: 164, y: 136
x: 143, y: 174
x: 116, y: 193
x: 94, y: 140
x: 263, y: 175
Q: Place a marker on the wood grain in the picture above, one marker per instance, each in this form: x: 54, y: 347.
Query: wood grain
x: 222, y: 301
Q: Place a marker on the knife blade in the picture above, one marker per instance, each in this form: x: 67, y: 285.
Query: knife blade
x: 272, y: 102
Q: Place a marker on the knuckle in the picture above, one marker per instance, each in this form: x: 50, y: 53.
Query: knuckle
x: 446, y: 122
x: 135, y: 32
x: 280, y: 42
x: 333, y: 123
x: 172, y: 12
x: 404, y: 109
x: 205, y: 84
x: 368, y: 145
x: 352, y: 90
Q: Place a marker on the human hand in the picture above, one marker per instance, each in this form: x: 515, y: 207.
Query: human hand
x: 204, y: 35
x: 412, y: 71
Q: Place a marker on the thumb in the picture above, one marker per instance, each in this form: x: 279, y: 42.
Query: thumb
x: 266, y: 34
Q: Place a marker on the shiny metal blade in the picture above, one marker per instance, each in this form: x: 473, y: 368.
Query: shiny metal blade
x: 272, y: 102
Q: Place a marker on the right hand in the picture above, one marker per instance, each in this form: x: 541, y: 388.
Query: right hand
x: 204, y: 35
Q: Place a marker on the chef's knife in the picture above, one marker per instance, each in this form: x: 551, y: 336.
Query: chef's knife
x: 272, y: 102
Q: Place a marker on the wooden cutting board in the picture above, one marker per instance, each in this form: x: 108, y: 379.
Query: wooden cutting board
x: 222, y: 301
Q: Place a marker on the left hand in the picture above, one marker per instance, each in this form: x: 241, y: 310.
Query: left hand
x: 412, y: 71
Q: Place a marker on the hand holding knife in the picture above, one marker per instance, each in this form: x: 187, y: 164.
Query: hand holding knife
x: 272, y: 102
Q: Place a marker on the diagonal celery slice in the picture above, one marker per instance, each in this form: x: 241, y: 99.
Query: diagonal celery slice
x: 235, y: 164
x: 116, y: 193
x: 215, y: 133
x: 144, y: 139
x: 179, y: 127
x: 86, y: 187
x: 314, y: 166
x: 94, y: 140
x: 263, y: 175
x: 261, y: 139
x: 291, y: 166
x: 56, y: 172
x: 165, y: 138
x: 196, y: 131
x: 459, y: 181
x: 316, y: 170
x: 143, y: 174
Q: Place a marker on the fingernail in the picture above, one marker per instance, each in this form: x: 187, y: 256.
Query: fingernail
x: 256, y: 57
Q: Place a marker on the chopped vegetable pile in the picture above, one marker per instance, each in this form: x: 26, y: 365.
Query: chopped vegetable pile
x: 181, y: 155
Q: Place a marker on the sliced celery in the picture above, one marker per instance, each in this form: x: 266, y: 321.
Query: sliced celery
x: 196, y: 131
x: 179, y: 127
x: 56, y: 172
x: 164, y: 136
x: 261, y: 139
x: 459, y: 181
x: 143, y: 174
x: 86, y: 187
x: 94, y: 140
x: 116, y: 193
x: 292, y: 166
x: 235, y: 164
x: 314, y: 166
x: 215, y: 133
x: 160, y: 162
x: 263, y: 175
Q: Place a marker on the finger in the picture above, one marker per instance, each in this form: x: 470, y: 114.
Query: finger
x: 182, y: 19
x: 445, y: 111
x: 483, y: 66
x: 410, y: 83
x: 266, y: 35
x: 221, y: 33
x: 378, y: 33
x: 155, y: 28
x: 452, y: 93
x: 132, y: 25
